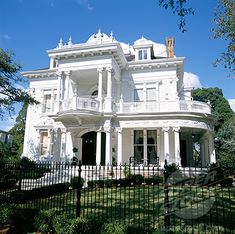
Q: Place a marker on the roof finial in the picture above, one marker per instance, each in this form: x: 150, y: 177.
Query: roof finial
x: 70, y: 41
x: 111, y: 36
x: 60, y: 43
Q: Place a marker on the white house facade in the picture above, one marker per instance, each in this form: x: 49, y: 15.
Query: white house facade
x: 107, y: 102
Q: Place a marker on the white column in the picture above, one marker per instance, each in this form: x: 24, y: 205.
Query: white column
x: 49, y: 141
x: 98, y: 147
x: 67, y: 84
x: 108, y: 101
x: 38, y: 145
x: 63, y: 144
x: 211, y: 147
x: 108, y: 150
x: 56, y: 155
x: 100, y: 87
x: 166, y: 143
x: 109, y: 82
x: 177, y: 145
x: 145, y: 159
x: 119, y: 151
x: 59, y: 86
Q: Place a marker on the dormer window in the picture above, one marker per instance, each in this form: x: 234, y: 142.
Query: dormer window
x: 143, y: 54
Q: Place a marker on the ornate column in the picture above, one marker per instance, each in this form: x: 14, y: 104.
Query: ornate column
x: 119, y: 150
x: 98, y: 147
x: 49, y: 141
x: 67, y: 84
x: 38, y: 146
x: 108, y: 145
x: 177, y: 145
x: 56, y: 154
x: 63, y: 143
x: 166, y: 143
x: 59, y: 85
x: 100, y: 87
x: 108, y: 101
x: 145, y: 159
x: 211, y: 147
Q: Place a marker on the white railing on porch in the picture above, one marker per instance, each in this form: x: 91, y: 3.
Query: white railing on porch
x: 79, y: 103
x: 90, y: 104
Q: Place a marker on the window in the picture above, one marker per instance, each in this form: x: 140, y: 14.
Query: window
x: 143, y: 145
x: 43, y: 143
x: 152, y: 146
x: 151, y: 94
x: 142, y: 54
x: 46, y: 103
x: 138, y: 95
x: 138, y: 146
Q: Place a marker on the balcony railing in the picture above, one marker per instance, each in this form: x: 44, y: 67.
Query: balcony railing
x: 163, y: 106
x: 89, y: 104
x: 79, y: 103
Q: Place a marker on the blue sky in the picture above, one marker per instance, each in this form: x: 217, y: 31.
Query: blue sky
x: 30, y: 27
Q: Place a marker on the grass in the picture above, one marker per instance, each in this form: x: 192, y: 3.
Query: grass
x: 200, y: 209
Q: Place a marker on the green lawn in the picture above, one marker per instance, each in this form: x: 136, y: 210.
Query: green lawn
x: 201, y: 209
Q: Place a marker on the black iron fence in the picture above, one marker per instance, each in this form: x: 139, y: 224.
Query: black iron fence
x: 196, y: 200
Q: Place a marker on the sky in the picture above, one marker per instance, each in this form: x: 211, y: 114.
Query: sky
x: 30, y: 27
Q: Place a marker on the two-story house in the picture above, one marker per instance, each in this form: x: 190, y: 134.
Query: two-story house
x: 104, y: 101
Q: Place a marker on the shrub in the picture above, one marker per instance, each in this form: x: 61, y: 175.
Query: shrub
x: 61, y: 223
x: 127, y: 171
x: 6, y: 214
x: 137, y: 179
x: 91, y: 184
x: 79, y: 225
x: 75, y: 182
x: 43, y: 221
x: 154, y: 180
x: 124, y: 182
x: 113, y: 228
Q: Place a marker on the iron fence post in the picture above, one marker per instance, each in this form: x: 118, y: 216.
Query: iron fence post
x: 166, y: 198
x: 79, y: 188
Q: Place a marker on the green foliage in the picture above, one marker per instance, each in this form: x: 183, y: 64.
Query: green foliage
x: 220, y: 106
x: 127, y: 171
x: 75, y: 182
x: 43, y: 221
x: 153, y: 180
x: 18, y: 130
x: 9, y: 77
x: 6, y: 154
x: 113, y: 228
x: 224, y: 28
x: 179, y: 8
x: 137, y: 179
x: 6, y: 214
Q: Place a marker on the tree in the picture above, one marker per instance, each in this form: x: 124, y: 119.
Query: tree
x: 18, y: 129
x: 10, y: 80
x: 224, y: 25
x: 225, y: 29
x: 219, y: 105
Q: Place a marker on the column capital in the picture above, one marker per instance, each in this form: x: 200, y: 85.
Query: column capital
x: 119, y: 130
x: 59, y: 73
x: 165, y: 129
x: 100, y: 69
x: 176, y: 129
x: 67, y: 73
x: 111, y: 70
x: 99, y: 129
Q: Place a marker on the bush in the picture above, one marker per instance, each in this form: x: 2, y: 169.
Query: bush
x: 124, y: 182
x: 43, y: 221
x: 61, y: 223
x: 113, y: 228
x: 127, y: 171
x: 153, y: 180
x: 6, y: 214
x: 75, y: 182
x: 137, y: 179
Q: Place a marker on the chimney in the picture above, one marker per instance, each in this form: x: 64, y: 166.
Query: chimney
x: 170, y: 46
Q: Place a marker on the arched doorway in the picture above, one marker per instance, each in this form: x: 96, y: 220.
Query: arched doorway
x: 89, y: 148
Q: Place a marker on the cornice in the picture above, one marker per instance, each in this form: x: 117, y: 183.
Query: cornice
x: 41, y: 73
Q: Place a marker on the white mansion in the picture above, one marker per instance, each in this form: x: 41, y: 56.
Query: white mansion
x: 106, y: 102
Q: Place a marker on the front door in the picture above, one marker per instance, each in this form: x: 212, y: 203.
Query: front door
x: 89, y: 148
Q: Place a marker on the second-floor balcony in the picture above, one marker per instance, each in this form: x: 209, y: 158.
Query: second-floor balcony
x: 87, y: 104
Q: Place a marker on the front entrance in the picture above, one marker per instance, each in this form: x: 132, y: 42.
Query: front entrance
x: 89, y: 148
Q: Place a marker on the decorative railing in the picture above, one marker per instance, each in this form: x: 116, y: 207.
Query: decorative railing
x: 79, y: 103
x: 163, y: 106
x: 89, y: 104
